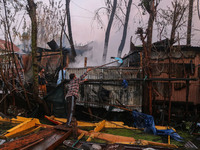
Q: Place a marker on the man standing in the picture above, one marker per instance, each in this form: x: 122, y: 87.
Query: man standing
x: 72, y: 94
x: 62, y: 76
x: 42, y: 83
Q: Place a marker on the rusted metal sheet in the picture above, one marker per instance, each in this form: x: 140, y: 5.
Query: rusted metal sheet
x: 4, y: 44
x: 44, y: 139
x: 52, y: 141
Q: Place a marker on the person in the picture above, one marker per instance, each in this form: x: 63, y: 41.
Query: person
x: 72, y: 94
x: 60, y: 77
x: 42, y: 83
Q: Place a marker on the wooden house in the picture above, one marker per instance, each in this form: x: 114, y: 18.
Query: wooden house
x: 175, y: 76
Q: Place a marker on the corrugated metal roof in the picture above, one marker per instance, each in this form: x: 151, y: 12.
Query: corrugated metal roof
x: 3, y: 43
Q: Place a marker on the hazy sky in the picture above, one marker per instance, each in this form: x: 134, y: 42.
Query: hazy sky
x: 86, y: 29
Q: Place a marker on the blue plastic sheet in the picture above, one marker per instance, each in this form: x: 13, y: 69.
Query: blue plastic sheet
x: 125, y: 84
x: 146, y: 122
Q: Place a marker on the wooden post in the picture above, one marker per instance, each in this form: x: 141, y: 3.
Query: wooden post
x: 187, y: 95
x: 85, y: 62
x: 150, y: 96
x: 67, y: 61
x: 169, y: 90
x: 141, y: 63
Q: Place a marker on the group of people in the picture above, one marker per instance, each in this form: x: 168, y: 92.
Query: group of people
x: 72, y: 93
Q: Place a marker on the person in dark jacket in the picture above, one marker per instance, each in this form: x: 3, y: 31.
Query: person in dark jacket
x: 42, y: 83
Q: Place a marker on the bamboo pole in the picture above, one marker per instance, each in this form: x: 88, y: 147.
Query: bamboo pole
x: 139, y: 79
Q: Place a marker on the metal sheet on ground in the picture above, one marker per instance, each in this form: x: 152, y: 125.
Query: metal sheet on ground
x: 31, y: 141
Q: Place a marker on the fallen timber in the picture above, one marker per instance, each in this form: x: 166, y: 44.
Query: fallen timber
x: 100, y: 125
x: 107, y: 124
x: 24, y: 127
x: 51, y: 137
x: 48, y: 138
x: 18, y: 119
x: 123, y: 140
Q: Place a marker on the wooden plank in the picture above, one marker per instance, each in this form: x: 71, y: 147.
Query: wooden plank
x: 44, y: 139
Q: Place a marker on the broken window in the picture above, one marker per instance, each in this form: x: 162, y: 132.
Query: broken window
x: 190, y: 68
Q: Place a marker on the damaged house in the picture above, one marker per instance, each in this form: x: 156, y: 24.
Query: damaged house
x: 175, y: 78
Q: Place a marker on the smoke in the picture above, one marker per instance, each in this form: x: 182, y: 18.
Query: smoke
x: 93, y: 57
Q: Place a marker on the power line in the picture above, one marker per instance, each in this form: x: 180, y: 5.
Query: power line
x: 82, y: 17
x: 82, y: 7
x: 196, y: 29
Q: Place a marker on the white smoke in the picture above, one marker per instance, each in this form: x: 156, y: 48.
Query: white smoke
x: 93, y: 57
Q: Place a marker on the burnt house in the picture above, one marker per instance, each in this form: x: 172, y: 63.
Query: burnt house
x: 10, y: 62
x: 175, y: 76
x: 175, y: 80
x: 50, y: 59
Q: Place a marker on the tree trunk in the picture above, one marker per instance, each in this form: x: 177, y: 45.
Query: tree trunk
x: 198, y: 9
x: 125, y: 29
x: 73, y: 52
x: 31, y: 8
x: 107, y: 35
x: 189, y: 29
x: 173, y: 30
x: 149, y: 46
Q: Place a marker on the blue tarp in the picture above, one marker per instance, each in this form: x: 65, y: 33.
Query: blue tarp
x: 146, y: 122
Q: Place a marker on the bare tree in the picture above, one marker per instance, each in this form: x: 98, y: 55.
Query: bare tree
x: 175, y: 18
x: 108, y: 29
x: 179, y: 10
x: 178, y: 13
x: 48, y: 22
x: 70, y: 30
x: 123, y: 40
x: 31, y: 8
x: 9, y: 46
x: 149, y: 6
